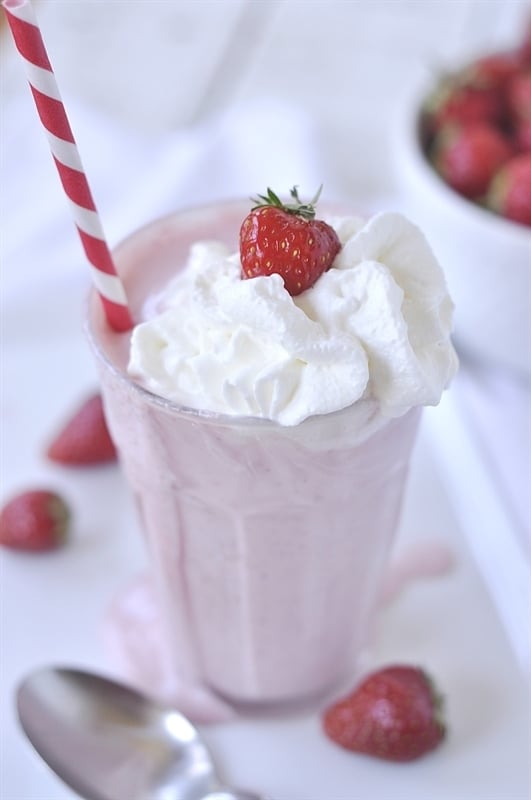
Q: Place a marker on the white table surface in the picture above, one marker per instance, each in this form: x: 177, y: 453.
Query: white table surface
x: 330, y: 121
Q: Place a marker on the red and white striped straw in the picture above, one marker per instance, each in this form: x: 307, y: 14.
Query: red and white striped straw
x: 50, y: 108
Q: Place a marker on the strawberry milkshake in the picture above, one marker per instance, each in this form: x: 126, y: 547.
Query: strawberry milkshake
x: 266, y: 433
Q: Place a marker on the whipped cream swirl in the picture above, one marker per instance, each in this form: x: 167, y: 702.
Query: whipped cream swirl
x: 375, y: 326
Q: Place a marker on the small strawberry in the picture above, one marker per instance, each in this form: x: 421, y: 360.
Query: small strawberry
x: 85, y: 438
x: 491, y: 71
x: 522, y: 136
x: 523, y: 51
x: 34, y: 520
x: 394, y: 714
x: 286, y: 239
x: 458, y: 103
x: 476, y: 93
x: 519, y: 96
x: 510, y: 190
x: 467, y: 158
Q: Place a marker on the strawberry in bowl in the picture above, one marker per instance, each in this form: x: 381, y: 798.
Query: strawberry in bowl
x: 476, y: 119
x: 462, y: 153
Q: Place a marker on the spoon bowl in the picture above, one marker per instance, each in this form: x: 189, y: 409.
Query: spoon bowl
x: 109, y: 742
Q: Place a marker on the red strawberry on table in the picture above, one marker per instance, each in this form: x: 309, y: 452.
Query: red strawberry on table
x: 34, y: 520
x: 286, y: 239
x: 85, y: 438
x: 467, y: 158
x: 510, y: 190
x: 394, y: 714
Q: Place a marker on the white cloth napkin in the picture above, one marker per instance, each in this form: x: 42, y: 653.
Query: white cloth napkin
x: 496, y: 410
x: 481, y: 433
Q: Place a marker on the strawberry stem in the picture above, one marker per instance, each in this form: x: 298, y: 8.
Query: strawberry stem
x: 298, y: 208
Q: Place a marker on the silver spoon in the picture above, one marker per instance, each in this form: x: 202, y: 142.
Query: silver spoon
x: 109, y: 742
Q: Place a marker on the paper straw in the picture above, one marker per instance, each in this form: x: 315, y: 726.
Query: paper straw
x: 29, y: 43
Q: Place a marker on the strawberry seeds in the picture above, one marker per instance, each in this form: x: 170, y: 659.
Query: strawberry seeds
x: 286, y: 239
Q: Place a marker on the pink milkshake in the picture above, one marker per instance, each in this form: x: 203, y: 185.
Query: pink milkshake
x: 267, y: 540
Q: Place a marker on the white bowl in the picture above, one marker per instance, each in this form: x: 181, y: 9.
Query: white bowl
x: 486, y: 258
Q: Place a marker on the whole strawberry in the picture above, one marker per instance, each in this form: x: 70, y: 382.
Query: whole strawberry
x: 85, y: 438
x: 34, y: 520
x: 467, y: 158
x: 519, y: 96
x: 524, y: 48
x: 522, y: 136
x: 510, y: 191
x: 394, y: 714
x: 491, y: 72
x: 287, y: 240
x: 460, y: 103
